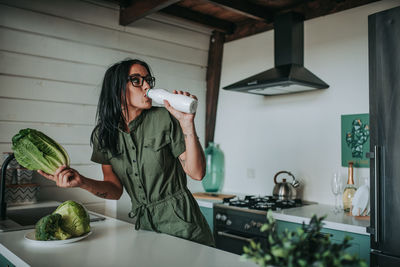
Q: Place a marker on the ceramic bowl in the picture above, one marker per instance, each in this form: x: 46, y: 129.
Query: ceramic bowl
x: 11, y: 176
x: 24, y: 176
x: 22, y: 193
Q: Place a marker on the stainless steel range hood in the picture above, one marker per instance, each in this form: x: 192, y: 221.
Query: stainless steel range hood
x: 289, y: 75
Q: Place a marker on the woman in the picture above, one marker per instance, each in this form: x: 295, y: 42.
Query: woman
x: 146, y: 150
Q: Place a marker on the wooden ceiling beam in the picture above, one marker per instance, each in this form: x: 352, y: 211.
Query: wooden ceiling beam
x: 215, y: 53
x: 310, y: 9
x: 247, y: 9
x: 247, y: 29
x: 209, y: 21
x: 135, y: 10
x: 318, y: 8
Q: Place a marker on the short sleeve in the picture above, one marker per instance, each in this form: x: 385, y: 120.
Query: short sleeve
x: 177, y: 138
x: 98, y: 155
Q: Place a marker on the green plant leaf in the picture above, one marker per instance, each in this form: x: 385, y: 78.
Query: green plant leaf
x: 253, y: 244
x: 306, y: 246
x: 278, y: 252
x: 264, y: 227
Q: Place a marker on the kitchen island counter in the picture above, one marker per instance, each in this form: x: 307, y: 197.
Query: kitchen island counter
x: 115, y: 243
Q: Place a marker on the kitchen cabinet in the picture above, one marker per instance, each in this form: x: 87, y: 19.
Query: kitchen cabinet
x: 208, y: 214
x: 4, y: 262
x: 206, y: 208
x: 234, y: 226
x: 360, y: 244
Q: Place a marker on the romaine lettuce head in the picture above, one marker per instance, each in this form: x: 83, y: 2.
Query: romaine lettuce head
x: 36, y: 151
x: 75, y: 218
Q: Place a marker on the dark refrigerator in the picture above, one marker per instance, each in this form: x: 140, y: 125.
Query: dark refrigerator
x: 384, y: 104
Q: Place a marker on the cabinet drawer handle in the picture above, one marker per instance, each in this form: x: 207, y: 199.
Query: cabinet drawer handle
x: 234, y: 236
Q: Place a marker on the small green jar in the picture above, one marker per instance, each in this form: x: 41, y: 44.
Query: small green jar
x: 215, y: 168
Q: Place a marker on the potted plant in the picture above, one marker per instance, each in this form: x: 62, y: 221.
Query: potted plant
x: 305, y: 247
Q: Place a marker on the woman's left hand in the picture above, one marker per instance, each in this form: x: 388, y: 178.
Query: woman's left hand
x: 182, y: 117
x: 192, y: 160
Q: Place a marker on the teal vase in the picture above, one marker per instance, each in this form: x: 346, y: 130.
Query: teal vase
x: 215, y: 164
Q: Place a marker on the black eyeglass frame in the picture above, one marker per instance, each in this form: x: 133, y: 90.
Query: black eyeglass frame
x: 149, y: 79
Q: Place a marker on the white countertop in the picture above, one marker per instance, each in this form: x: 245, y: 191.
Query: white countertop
x: 116, y: 243
x: 339, y: 221
x: 207, y: 203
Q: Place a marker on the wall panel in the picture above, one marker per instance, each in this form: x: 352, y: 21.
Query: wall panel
x: 53, y: 57
x: 39, y: 23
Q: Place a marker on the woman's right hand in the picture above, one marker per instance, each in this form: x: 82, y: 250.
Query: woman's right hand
x: 64, y: 177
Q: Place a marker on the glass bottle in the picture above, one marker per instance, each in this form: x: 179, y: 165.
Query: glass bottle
x: 349, y: 190
x: 214, y: 178
x: 179, y: 102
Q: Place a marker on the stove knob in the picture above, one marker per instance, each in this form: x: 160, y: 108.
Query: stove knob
x: 228, y: 222
x: 223, y: 218
x: 259, y: 224
x: 247, y: 226
x: 253, y: 223
x: 218, y: 216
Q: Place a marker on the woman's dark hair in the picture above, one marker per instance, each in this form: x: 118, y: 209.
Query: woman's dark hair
x: 109, y: 111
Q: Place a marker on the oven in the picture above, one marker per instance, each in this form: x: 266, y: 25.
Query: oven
x: 238, y: 221
x: 234, y: 229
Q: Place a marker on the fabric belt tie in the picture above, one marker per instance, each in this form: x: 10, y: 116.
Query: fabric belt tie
x: 143, y: 207
x: 138, y: 213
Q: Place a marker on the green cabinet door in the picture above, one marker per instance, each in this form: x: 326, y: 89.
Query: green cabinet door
x: 4, y: 262
x: 360, y: 244
x: 208, y: 214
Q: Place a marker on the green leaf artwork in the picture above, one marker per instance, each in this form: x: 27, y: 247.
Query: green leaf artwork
x: 355, y: 139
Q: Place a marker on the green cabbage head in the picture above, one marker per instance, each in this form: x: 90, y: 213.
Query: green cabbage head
x: 36, y: 151
x: 75, y: 218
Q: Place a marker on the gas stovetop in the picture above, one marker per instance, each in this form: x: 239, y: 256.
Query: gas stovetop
x: 239, y: 220
x: 261, y: 203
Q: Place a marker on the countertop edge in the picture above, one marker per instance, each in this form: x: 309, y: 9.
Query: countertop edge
x: 10, y: 256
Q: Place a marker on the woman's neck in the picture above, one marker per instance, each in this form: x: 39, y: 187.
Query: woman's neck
x: 132, y: 114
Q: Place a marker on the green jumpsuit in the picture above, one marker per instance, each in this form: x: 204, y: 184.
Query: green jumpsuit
x: 147, y: 164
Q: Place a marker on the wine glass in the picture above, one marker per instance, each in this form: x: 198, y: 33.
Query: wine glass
x: 336, y: 187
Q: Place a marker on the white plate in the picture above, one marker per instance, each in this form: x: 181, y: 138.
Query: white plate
x: 31, y: 238
x: 360, y: 200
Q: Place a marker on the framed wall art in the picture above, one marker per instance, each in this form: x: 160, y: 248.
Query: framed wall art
x: 355, y: 139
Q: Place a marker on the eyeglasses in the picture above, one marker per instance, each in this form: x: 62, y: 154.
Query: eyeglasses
x: 137, y: 80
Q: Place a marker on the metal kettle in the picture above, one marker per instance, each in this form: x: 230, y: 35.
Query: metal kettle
x: 285, y: 190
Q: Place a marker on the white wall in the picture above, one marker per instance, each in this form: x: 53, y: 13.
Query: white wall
x: 53, y: 56
x: 299, y: 133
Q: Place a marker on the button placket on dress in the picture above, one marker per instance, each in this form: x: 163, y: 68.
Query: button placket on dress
x: 135, y: 170
x: 139, y: 188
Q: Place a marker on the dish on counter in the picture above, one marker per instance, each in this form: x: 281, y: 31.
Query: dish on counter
x: 31, y: 238
x: 360, y: 201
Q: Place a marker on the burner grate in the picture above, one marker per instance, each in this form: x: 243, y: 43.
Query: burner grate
x: 263, y: 202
